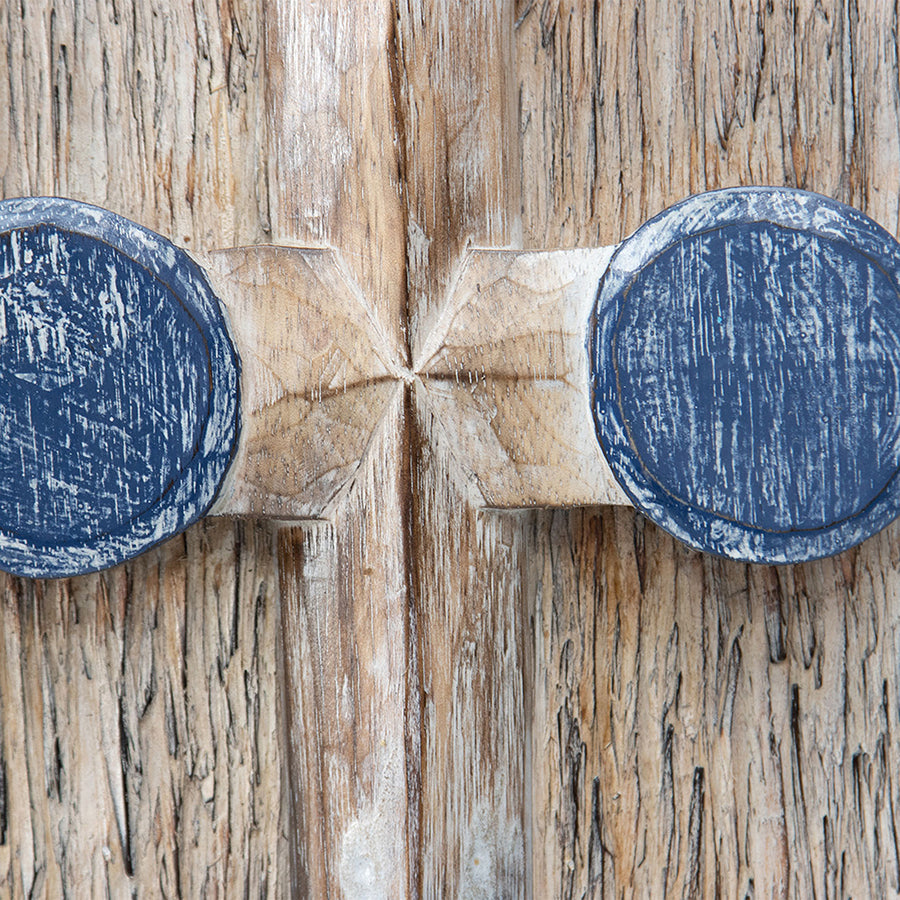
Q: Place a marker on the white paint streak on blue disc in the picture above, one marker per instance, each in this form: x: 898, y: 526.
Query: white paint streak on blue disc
x: 746, y: 373
x: 119, y: 383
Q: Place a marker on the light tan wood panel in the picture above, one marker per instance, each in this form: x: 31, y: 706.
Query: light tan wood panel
x: 351, y: 664
x: 701, y: 727
x: 140, y: 745
x: 478, y: 703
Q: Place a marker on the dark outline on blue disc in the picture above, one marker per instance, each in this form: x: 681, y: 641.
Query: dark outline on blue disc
x: 703, y: 529
x: 196, y: 486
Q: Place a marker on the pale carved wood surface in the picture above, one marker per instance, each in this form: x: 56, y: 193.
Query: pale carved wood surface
x: 478, y: 703
x: 504, y: 367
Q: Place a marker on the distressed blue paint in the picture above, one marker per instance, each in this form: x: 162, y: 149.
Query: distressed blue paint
x: 746, y: 366
x: 119, y: 389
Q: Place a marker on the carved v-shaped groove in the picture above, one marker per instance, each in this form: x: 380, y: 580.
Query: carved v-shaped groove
x: 504, y: 373
x: 317, y: 377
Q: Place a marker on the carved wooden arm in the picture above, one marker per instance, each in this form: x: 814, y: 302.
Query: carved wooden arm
x: 731, y: 369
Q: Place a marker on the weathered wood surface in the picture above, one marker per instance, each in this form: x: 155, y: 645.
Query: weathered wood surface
x: 139, y: 717
x: 351, y: 655
x: 571, y: 704
x: 703, y: 727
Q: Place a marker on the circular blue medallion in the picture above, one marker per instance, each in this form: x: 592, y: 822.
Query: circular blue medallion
x: 119, y: 387
x: 745, y: 354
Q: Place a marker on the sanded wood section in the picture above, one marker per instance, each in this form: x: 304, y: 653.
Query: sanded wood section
x: 456, y: 107
x: 140, y: 738
x: 505, y: 369
x: 350, y: 654
x: 316, y: 378
x: 459, y: 146
x: 355, y: 795
x: 506, y: 372
x: 701, y: 727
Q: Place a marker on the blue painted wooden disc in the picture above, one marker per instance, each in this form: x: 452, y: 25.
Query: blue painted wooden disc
x: 745, y: 353
x: 119, y: 387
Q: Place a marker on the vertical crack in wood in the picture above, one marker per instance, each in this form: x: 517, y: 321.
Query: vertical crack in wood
x: 4, y: 809
x: 415, y: 696
x: 696, y: 810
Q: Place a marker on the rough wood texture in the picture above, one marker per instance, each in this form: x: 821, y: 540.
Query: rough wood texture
x: 703, y: 727
x: 140, y: 725
x: 351, y: 656
x: 140, y: 741
x: 591, y: 709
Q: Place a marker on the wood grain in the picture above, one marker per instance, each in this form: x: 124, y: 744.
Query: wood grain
x: 140, y: 744
x: 140, y: 724
x: 459, y: 144
x: 592, y: 709
x: 506, y: 373
x: 702, y: 727
x: 351, y: 656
